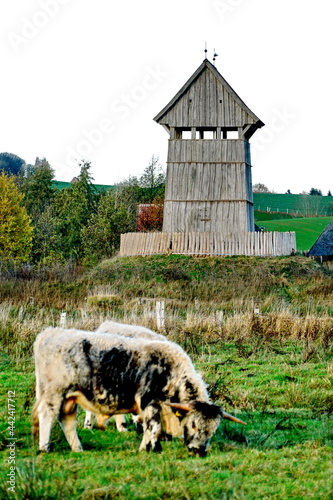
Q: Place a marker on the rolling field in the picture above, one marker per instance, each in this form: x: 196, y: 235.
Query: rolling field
x: 304, y: 205
x: 307, y: 229
x: 273, y: 368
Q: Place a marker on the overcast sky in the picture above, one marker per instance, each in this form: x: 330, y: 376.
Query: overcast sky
x: 84, y: 79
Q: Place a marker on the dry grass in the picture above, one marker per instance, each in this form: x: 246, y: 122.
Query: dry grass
x: 206, y: 300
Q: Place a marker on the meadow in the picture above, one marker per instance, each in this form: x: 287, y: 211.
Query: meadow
x: 259, y: 330
x: 307, y: 229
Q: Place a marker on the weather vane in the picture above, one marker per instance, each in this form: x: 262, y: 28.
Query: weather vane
x: 214, y: 57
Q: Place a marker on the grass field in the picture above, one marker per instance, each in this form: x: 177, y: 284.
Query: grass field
x: 307, y: 229
x: 304, y: 205
x: 284, y: 452
x: 272, y: 368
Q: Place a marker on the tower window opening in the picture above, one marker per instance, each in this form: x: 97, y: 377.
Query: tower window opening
x: 186, y: 134
x: 208, y: 134
x: 232, y: 134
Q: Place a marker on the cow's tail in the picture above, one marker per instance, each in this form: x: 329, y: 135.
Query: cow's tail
x: 35, y: 420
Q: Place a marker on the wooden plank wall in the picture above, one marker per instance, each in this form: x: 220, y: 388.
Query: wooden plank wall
x: 208, y: 150
x: 207, y: 182
x: 208, y: 186
x: 207, y: 216
x: 207, y: 103
x: 268, y: 244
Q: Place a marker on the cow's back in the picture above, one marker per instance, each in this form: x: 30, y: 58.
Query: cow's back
x: 135, y: 331
x: 117, y: 364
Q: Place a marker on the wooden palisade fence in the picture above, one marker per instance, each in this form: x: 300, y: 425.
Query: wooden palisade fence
x: 268, y: 244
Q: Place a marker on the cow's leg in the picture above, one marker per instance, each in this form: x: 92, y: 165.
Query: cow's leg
x: 138, y: 422
x: 102, y: 420
x: 121, y: 423
x: 89, y: 420
x: 46, y: 417
x: 68, y: 423
x: 151, y: 429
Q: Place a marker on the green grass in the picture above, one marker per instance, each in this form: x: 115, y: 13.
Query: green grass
x: 274, y: 370
x: 284, y: 452
x: 307, y: 229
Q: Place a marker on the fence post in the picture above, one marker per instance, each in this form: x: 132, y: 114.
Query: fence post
x: 63, y: 320
x: 160, y: 318
x: 219, y: 317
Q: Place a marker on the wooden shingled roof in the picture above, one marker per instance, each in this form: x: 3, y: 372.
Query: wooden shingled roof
x: 324, y: 244
x: 207, y: 85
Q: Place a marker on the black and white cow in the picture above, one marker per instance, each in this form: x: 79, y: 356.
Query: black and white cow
x: 134, y: 331
x: 111, y: 374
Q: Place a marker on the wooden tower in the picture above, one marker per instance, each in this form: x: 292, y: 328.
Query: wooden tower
x: 209, y: 182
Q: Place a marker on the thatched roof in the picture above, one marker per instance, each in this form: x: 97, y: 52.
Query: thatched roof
x: 324, y: 244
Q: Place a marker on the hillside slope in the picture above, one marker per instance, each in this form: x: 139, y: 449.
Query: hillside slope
x: 304, y: 205
x: 307, y: 229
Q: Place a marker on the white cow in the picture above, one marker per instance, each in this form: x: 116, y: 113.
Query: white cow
x: 112, y: 374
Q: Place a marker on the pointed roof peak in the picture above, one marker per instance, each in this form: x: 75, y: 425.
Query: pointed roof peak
x: 206, y: 65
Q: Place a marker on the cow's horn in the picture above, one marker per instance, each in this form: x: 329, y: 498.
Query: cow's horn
x: 181, y: 406
x: 234, y: 419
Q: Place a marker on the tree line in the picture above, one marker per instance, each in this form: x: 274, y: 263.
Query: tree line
x: 262, y: 188
x: 42, y: 225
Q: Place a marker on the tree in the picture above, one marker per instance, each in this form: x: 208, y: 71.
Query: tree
x: 150, y: 216
x: 39, y: 192
x: 310, y: 205
x: 153, y: 180
x: 37, y: 187
x: 74, y: 206
x: 315, y: 192
x: 288, y: 191
x: 329, y: 193
x: 260, y: 188
x: 47, y: 241
x: 329, y: 210
x: 101, y: 236
x: 15, y: 224
x: 11, y: 164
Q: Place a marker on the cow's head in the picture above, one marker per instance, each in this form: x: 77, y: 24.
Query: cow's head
x: 202, y: 420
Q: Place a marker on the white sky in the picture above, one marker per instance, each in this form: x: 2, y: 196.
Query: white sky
x: 84, y: 79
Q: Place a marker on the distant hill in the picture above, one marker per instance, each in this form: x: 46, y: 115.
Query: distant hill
x: 296, y: 204
x: 63, y: 185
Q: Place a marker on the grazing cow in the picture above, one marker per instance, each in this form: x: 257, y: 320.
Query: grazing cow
x: 134, y: 331
x: 110, y: 374
x: 129, y: 330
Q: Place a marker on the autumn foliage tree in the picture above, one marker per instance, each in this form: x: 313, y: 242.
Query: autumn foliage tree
x: 150, y: 216
x: 15, y: 224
